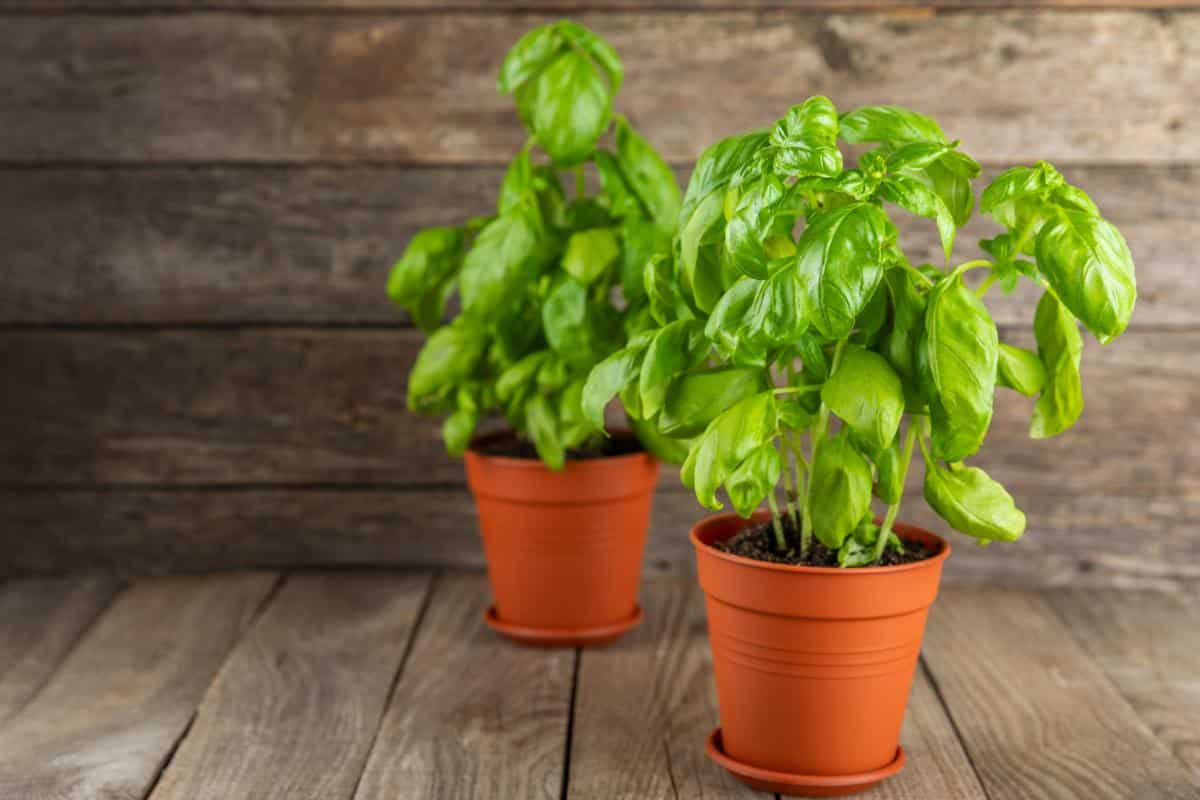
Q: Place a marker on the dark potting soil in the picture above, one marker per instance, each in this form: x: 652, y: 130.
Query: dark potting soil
x: 758, y: 543
x: 513, y: 447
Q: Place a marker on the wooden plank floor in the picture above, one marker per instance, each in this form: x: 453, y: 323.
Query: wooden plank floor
x: 377, y: 684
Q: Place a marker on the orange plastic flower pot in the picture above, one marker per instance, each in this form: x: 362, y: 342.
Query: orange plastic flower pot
x: 813, y: 664
x: 564, y: 549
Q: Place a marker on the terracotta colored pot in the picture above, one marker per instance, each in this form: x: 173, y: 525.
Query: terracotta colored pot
x: 564, y: 549
x: 813, y: 664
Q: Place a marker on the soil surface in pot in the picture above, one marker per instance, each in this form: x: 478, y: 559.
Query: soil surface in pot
x: 758, y: 543
x: 513, y: 447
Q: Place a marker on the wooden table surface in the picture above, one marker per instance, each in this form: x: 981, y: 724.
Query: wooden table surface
x: 354, y: 684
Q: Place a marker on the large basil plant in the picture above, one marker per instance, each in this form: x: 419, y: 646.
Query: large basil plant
x: 537, y: 282
x: 795, y: 351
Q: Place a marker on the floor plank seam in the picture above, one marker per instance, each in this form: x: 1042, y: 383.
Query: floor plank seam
x: 83, y: 633
x: 937, y: 691
x: 670, y: 769
x: 566, y: 770
x: 414, y: 631
x: 170, y: 756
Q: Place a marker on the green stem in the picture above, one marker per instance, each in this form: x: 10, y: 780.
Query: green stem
x: 890, y: 517
x: 987, y: 284
x: 780, y: 541
x: 795, y: 389
x: 793, y: 497
x: 967, y: 266
x: 921, y: 275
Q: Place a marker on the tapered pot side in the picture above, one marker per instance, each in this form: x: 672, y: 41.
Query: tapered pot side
x: 813, y: 665
x: 564, y: 549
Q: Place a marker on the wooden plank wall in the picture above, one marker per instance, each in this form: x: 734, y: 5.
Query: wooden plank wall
x: 201, y: 199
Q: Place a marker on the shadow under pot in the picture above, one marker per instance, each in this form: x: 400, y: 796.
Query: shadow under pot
x: 813, y: 665
x: 563, y: 549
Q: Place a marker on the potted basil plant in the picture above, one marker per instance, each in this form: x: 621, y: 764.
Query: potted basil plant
x: 810, y: 363
x: 563, y: 509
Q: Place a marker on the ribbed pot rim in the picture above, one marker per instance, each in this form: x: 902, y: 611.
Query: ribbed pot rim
x: 509, y: 462
x: 705, y: 550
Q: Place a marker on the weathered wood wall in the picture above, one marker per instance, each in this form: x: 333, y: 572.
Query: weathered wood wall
x: 201, y: 200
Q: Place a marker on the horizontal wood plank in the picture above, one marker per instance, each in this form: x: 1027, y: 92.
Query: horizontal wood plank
x: 1085, y: 537
x: 1148, y: 643
x: 41, y: 620
x: 327, y: 406
x: 472, y: 715
x: 1093, y: 86
x: 1037, y: 715
x: 314, y: 245
x: 296, y: 707
x: 108, y: 720
x: 644, y: 705
x: 575, y: 6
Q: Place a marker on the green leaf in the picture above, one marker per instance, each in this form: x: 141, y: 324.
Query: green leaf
x: 567, y: 107
x: 542, y: 423
x: 859, y: 549
x: 695, y: 399
x: 889, y: 466
x: 917, y: 198
x: 574, y: 428
x: 865, y: 393
x: 726, y: 443
x: 460, y: 426
x: 664, y: 448
x: 641, y: 240
x: 622, y: 202
x: 890, y: 124
x: 793, y: 415
x: 1087, y: 263
x: 432, y: 256
x: 1060, y: 348
x: 448, y: 358
x: 917, y: 155
x: 732, y: 328
x: 775, y: 310
x: 663, y: 290
x: 756, y: 216
x: 430, y: 309
x: 973, y: 503
x: 553, y: 375
x: 952, y: 187
x: 590, y: 253
x: 504, y: 258
x: 1020, y: 370
x: 520, y: 380
x: 608, y: 378
x: 600, y: 51
x: 1015, y: 184
x: 676, y: 348
x: 871, y: 320
x: 575, y: 329
x: 528, y: 57
x: 716, y: 167
x: 839, y: 264
x: 648, y: 174
x: 754, y: 479
x: 841, y: 482
x: 956, y: 362
x: 700, y: 247
x: 805, y: 140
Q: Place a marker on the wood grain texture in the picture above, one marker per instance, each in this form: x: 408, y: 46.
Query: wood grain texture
x: 1148, y: 643
x: 40, y: 622
x: 314, y: 245
x: 1117, y: 85
x: 472, y: 715
x: 327, y: 406
x: 576, y: 6
x: 295, y: 709
x: 644, y: 705
x: 1037, y: 714
x: 107, y: 721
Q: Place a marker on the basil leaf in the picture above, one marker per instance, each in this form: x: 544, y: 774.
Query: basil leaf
x: 1020, y: 370
x: 916, y: 155
x: 872, y: 319
x: 449, y: 357
x: 805, y: 140
x: 641, y: 240
x: 793, y: 415
x: 622, y: 202
x: 700, y: 251
x: 890, y: 124
x: 839, y: 264
x: 1085, y: 260
x: 574, y: 428
x: 528, y: 56
x: 565, y: 321
x: 1060, y: 348
x: 664, y: 448
x: 841, y: 480
x: 459, y: 426
x: 732, y: 327
x: 889, y: 466
x: 727, y: 442
x: 754, y: 479
x: 432, y: 256
x: 917, y: 198
x: 648, y: 174
x: 542, y: 422
x: 1016, y: 184
x: 695, y: 399
x: 662, y: 290
x: 520, y: 381
x: 900, y: 341
x: 952, y: 187
x: 608, y: 378
x: 567, y: 107
x: 505, y: 256
x: 774, y: 310
x: 956, y: 362
x: 973, y: 503
x: 597, y: 48
x: 755, y: 217
x: 675, y: 348
x: 590, y: 253
x: 716, y: 167
x: 430, y: 309
x: 865, y: 393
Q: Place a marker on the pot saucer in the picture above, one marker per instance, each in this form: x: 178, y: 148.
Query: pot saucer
x: 766, y: 780
x: 562, y: 637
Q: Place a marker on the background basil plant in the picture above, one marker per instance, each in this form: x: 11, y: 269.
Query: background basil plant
x: 536, y: 281
x: 818, y: 362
